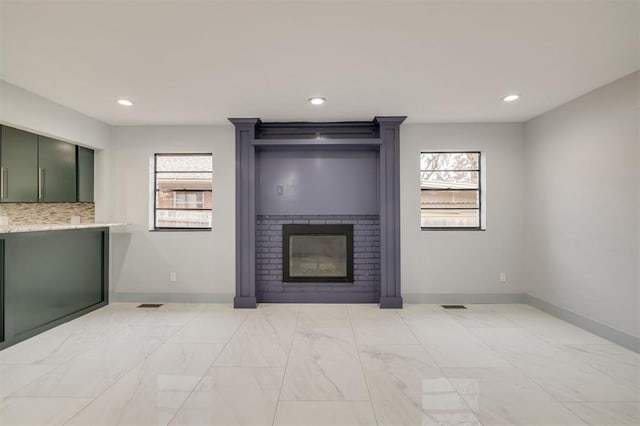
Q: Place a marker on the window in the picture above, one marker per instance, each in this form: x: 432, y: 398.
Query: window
x: 183, y: 195
x: 450, y: 190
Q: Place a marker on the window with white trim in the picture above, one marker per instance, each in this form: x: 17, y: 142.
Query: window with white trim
x: 450, y: 190
x: 183, y: 191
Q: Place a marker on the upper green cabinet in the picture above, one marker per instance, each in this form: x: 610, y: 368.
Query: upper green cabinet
x: 19, y: 172
x: 85, y: 175
x: 56, y: 171
x: 41, y: 169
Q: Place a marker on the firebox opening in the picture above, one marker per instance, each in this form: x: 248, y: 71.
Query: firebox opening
x: 317, y: 253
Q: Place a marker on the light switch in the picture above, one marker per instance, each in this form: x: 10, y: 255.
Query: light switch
x: 279, y: 190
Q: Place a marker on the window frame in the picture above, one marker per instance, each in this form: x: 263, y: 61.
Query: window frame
x: 480, y: 207
x: 156, y: 190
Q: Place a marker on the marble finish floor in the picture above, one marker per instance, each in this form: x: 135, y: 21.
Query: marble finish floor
x: 290, y: 364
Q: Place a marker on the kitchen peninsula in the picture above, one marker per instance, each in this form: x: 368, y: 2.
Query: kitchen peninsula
x: 50, y: 274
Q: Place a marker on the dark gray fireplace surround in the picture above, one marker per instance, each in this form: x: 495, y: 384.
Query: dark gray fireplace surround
x: 319, y: 174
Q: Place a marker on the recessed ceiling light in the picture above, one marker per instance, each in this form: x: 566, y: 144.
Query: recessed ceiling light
x: 317, y: 100
x: 125, y: 102
x: 511, y: 98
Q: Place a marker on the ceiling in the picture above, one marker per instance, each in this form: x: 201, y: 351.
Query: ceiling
x: 199, y: 62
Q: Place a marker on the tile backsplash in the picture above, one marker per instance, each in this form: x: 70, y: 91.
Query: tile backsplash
x: 47, y: 213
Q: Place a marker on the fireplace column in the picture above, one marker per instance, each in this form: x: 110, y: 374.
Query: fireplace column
x: 245, y: 213
x: 390, y: 296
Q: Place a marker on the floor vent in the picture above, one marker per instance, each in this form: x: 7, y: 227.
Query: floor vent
x: 150, y: 305
x: 454, y: 306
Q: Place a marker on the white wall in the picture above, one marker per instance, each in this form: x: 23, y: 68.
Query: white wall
x: 582, y: 180
x: 467, y: 262
x: 28, y: 111
x: 143, y: 260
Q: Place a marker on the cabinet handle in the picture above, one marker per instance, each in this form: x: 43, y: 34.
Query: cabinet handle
x: 1, y: 183
x: 40, y: 179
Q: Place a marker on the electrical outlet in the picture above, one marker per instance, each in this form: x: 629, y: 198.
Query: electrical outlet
x: 503, y: 277
x: 173, y: 277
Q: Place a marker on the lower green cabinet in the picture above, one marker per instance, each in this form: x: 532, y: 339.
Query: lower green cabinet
x: 51, y: 277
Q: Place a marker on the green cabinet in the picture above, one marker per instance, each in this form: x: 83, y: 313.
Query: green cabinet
x: 50, y: 277
x: 37, y: 168
x: 56, y: 171
x: 85, y: 175
x: 19, y: 161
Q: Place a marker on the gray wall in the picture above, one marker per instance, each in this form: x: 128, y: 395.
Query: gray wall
x: 143, y: 260
x: 582, y: 205
x: 464, y: 262
x: 316, y: 182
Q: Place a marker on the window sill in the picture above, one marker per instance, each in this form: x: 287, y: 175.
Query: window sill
x: 180, y: 230
x: 451, y: 229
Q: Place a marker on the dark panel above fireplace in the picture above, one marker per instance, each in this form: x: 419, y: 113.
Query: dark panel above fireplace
x: 317, y: 253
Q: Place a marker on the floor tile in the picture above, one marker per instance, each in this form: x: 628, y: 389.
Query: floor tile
x: 371, y: 326
x: 621, y: 364
x: 233, y: 396
x: 323, y: 316
x: 452, y: 345
x: 89, y: 374
x: 480, y: 316
x: 324, y: 413
x: 263, y: 340
x: 39, y: 411
x: 14, y: 377
x: 607, y: 413
x: 399, y: 378
x: 506, y: 396
x: 210, y: 327
x: 564, y: 377
x: 324, y: 366
x: 152, y: 392
x: 549, y: 328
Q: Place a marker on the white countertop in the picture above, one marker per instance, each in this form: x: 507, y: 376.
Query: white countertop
x: 54, y: 227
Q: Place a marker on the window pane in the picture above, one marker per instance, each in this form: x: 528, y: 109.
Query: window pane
x: 450, y: 218
x: 187, y: 163
x: 183, y: 200
x: 450, y: 180
x: 183, y: 181
x: 450, y: 161
x: 183, y: 218
x: 450, y: 199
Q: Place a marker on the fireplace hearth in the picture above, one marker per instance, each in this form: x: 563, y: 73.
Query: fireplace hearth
x: 317, y: 253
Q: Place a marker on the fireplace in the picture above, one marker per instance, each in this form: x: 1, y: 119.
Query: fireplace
x: 317, y: 253
x: 331, y: 173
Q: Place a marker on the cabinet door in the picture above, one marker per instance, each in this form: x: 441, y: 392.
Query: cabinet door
x: 19, y: 158
x: 85, y: 175
x: 57, y: 171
